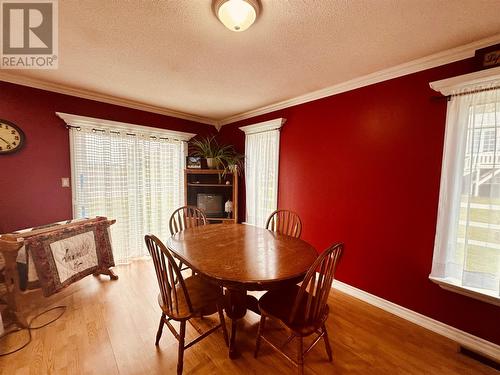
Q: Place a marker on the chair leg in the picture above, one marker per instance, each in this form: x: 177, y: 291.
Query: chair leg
x: 223, y: 323
x: 259, y: 334
x: 287, y: 341
x: 180, y: 358
x: 160, y: 329
x: 300, y: 355
x: 327, y: 344
x: 232, y: 340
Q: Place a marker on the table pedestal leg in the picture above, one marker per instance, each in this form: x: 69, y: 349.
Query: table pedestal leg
x: 237, y: 302
x: 236, y: 308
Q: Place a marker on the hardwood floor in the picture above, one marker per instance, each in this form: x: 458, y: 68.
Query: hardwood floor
x: 110, y: 327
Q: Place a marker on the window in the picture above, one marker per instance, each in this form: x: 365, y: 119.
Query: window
x: 129, y: 173
x: 262, y: 142
x: 467, y: 246
x: 488, y: 140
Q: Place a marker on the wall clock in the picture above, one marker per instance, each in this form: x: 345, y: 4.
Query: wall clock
x: 11, y: 137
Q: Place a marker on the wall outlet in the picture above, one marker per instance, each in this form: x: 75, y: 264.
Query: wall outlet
x: 65, y: 181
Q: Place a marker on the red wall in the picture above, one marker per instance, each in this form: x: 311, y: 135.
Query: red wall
x: 363, y: 167
x: 30, y: 180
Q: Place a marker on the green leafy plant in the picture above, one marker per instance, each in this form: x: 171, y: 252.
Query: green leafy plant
x: 224, y: 156
x: 234, y: 163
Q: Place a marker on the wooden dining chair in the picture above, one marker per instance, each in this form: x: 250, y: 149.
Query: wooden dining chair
x: 183, y: 218
x: 303, y: 309
x: 186, y: 217
x: 285, y: 222
x: 182, y: 299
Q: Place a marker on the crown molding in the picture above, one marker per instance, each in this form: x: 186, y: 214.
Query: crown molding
x: 217, y: 125
x: 265, y: 126
x: 87, y: 94
x: 428, y: 62
x: 466, y: 82
x: 96, y: 123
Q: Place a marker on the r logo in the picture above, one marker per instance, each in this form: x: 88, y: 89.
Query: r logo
x: 27, y: 28
x: 29, y: 34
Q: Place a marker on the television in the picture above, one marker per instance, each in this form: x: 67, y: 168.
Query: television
x: 211, y: 204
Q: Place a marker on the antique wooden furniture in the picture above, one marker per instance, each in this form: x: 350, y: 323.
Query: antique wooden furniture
x: 16, y: 299
x: 186, y: 217
x: 181, y: 299
x: 285, y: 222
x: 241, y: 258
x: 212, y: 182
x: 302, y: 310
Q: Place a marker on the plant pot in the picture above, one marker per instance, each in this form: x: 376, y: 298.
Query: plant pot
x: 212, y: 163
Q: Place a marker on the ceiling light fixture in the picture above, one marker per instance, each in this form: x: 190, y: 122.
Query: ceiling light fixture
x: 237, y: 15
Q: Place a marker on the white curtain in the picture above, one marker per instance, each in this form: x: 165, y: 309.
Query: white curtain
x: 467, y: 245
x: 261, y: 175
x: 135, y: 179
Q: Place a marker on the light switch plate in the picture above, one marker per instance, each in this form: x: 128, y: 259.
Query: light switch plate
x: 65, y: 181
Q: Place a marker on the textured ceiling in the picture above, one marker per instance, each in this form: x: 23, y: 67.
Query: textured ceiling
x: 177, y: 55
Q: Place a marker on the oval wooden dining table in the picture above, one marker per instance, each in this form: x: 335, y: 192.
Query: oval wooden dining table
x: 241, y: 258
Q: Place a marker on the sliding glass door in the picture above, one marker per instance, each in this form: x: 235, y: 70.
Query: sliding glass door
x: 136, y: 179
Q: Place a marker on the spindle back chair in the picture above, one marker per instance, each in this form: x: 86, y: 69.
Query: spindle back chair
x: 183, y: 218
x: 168, y: 275
x: 303, y: 310
x: 182, y: 299
x: 285, y: 222
x: 186, y: 217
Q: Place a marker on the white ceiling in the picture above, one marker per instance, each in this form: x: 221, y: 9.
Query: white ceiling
x: 176, y: 55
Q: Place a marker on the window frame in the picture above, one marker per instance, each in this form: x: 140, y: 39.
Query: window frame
x: 447, y: 87
x: 263, y: 127
x: 88, y: 124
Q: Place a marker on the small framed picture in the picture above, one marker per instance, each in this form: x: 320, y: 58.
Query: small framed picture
x: 193, y: 162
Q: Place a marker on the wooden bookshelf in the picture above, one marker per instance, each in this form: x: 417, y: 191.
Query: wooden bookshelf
x: 213, y: 182
x: 212, y: 185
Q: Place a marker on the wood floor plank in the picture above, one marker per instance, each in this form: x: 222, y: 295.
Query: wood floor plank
x: 109, y: 328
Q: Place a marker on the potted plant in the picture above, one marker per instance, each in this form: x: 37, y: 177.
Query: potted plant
x: 217, y: 156
x: 209, y: 149
x: 234, y: 163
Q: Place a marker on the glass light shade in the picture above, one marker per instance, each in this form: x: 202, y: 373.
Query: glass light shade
x: 237, y: 15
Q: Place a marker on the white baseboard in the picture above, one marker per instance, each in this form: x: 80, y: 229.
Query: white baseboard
x: 465, y: 339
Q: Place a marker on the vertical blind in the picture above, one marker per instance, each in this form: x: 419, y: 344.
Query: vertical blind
x: 261, y: 175
x: 467, y: 246
x: 135, y: 179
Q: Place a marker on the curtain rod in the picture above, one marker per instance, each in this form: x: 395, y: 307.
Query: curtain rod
x: 449, y: 97
x: 78, y: 128
x: 473, y: 91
